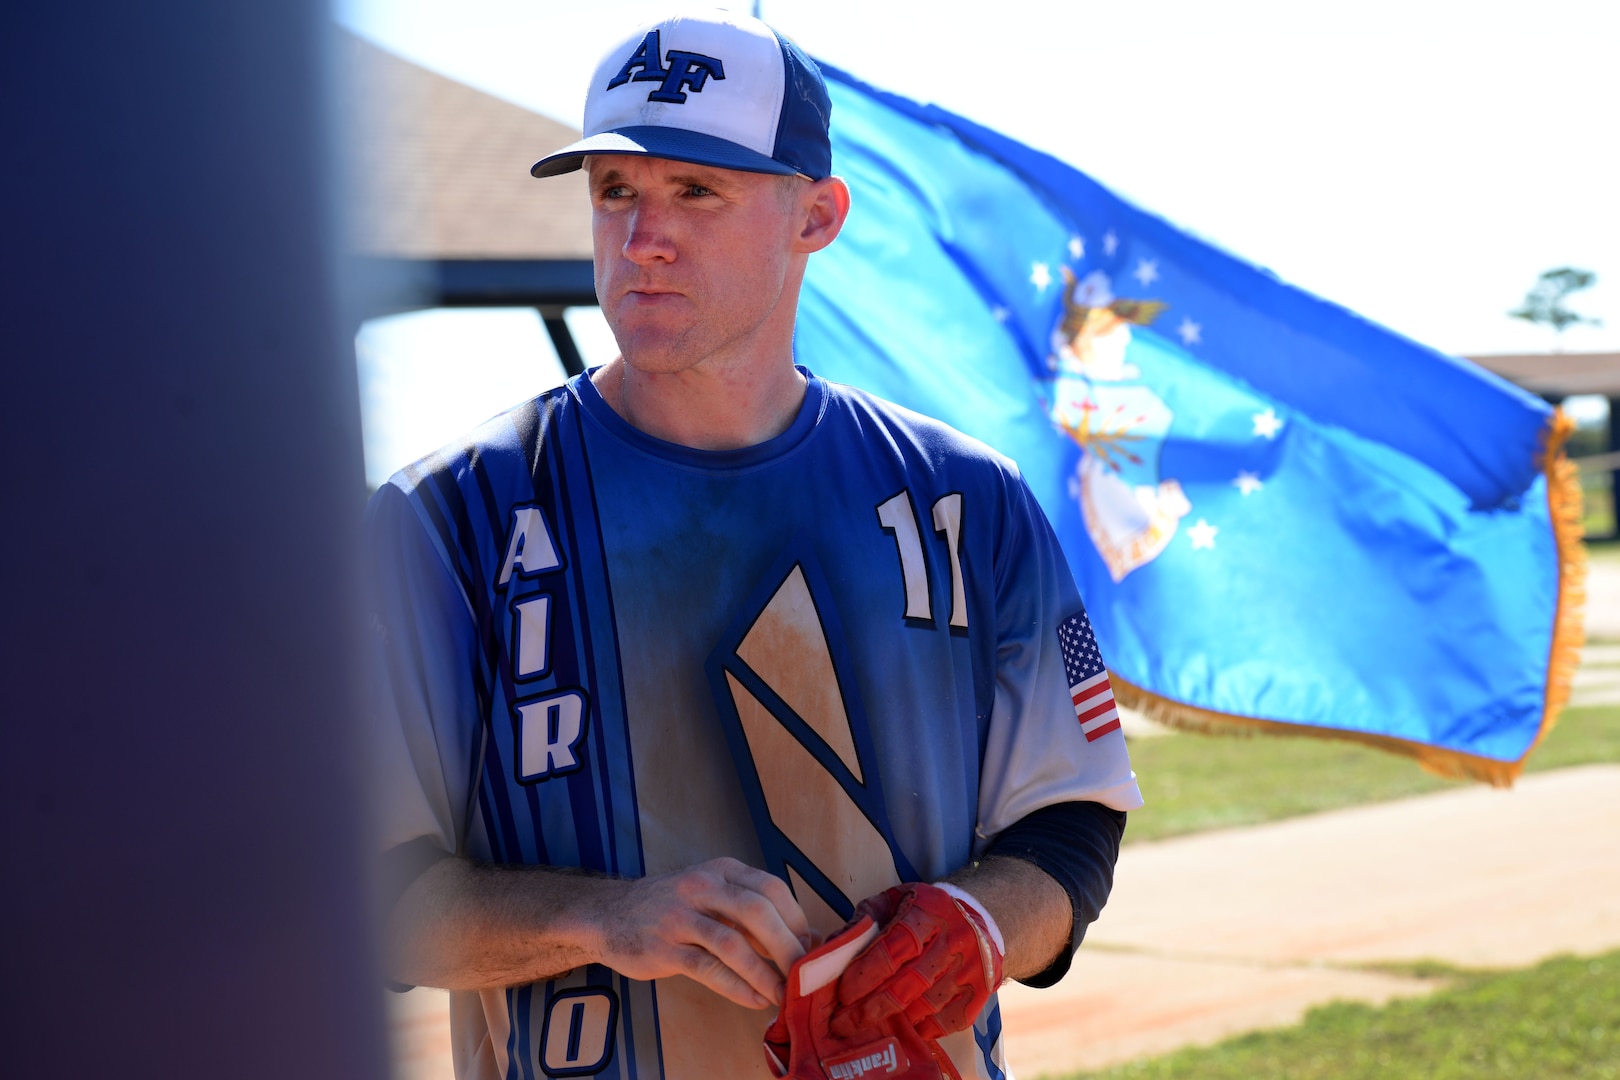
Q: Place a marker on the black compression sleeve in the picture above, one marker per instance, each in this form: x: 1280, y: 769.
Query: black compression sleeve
x: 1076, y: 843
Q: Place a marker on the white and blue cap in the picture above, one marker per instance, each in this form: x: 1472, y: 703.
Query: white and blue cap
x: 713, y: 88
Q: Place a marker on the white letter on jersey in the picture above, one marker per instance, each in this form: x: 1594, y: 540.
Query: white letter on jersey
x: 896, y: 517
x: 533, y: 636
x: 549, y: 731
x: 948, y: 520
x: 530, y: 550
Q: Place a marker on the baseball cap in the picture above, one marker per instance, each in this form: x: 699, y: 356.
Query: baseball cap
x: 713, y: 88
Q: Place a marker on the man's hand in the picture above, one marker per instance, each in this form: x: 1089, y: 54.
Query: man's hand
x: 934, y: 962
x: 465, y: 925
x: 722, y: 923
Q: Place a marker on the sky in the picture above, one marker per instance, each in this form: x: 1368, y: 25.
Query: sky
x: 1420, y: 162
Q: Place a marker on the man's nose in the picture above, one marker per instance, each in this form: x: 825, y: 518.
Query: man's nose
x: 649, y: 238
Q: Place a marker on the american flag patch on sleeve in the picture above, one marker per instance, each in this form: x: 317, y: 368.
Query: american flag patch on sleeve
x: 1088, y: 678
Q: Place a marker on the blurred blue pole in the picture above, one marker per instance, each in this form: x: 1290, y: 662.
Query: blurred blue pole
x: 184, y: 892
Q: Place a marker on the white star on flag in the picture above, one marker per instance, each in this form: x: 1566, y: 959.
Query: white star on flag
x: 1202, y: 535
x: 1040, y: 276
x: 1189, y: 332
x: 999, y: 313
x: 1147, y: 271
x: 1077, y: 247
x: 1248, y: 483
x: 1110, y: 243
x: 1266, y: 424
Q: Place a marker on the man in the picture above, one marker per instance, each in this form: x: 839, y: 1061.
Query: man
x: 687, y: 658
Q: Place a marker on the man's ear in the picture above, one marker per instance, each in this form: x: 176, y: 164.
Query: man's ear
x: 824, y: 205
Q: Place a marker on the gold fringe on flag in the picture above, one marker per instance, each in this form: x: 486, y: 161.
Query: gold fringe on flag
x: 1569, y: 625
x: 1564, y: 508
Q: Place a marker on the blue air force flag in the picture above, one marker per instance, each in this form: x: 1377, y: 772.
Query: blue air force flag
x: 1280, y: 514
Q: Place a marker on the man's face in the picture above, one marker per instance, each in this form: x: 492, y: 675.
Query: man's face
x: 692, y: 261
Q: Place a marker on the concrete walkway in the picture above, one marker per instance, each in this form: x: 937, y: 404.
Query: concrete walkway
x: 1215, y: 934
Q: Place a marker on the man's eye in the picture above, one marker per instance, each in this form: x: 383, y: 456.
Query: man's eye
x: 698, y: 189
x: 617, y: 191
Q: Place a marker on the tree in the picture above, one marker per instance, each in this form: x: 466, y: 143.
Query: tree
x: 1544, y: 303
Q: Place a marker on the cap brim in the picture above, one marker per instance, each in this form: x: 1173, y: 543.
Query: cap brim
x: 672, y: 143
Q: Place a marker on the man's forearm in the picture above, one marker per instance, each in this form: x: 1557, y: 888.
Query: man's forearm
x: 1076, y: 844
x: 464, y: 925
x: 1030, y: 908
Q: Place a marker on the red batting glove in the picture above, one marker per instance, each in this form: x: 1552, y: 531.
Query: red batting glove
x: 935, y: 963
x: 800, y: 1045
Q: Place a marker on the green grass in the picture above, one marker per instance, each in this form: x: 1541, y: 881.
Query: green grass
x: 1597, y: 504
x: 1559, y: 1020
x: 1192, y: 782
x: 1584, y: 735
x: 1195, y: 782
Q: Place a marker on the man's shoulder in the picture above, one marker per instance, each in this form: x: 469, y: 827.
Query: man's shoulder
x: 504, y: 443
x: 937, y: 442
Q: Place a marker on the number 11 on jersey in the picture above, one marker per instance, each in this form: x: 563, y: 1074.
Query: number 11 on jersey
x: 897, y: 518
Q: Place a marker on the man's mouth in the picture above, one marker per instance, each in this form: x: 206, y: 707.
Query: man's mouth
x: 650, y: 295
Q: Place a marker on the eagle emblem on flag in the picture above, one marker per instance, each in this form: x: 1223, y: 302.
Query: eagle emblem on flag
x: 1131, y: 513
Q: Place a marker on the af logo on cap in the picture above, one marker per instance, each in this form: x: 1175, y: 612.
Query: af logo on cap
x: 772, y: 116
x: 684, y: 69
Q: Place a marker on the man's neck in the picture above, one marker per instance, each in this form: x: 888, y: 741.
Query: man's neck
x: 705, y: 408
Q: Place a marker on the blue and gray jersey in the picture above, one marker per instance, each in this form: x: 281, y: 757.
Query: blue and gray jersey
x: 834, y: 655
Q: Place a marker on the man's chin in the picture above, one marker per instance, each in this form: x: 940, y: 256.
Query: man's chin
x: 657, y: 350
x: 658, y: 358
